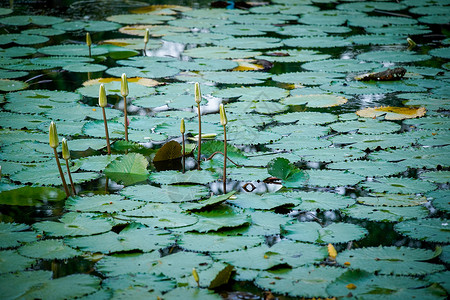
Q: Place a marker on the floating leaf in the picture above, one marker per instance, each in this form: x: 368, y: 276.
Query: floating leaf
x: 219, y: 218
x: 48, y: 249
x: 366, y: 126
x: 399, y: 185
x: 7, y: 85
x: 95, y: 163
x: 217, y: 242
x: 306, y: 78
x: 430, y: 230
x: 157, y: 283
x: 73, y: 224
x: 165, y: 194
x: 208, y: 203
x: 312, y: 201
x: 11, y: 261
x: 128, y: 169
x: 13, y: 234
x: 392, y: 113
x: 71, y: 50
x: 31, y: 196
x: 219, y: 53
x: 332, y: 178
x: 192, y: 293
x: 390, y: 260
x: 385, y: 214
x: 315, y: 233
x: 379, y: 199
x: 318, y: 100
x: 266, y: 201
x: 101, y: 203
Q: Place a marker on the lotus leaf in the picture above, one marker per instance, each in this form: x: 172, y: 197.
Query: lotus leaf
x: 440, y: 278
x: 44, y: 31
x: 247, y: 174
x: 13, y: 234
x: 292, y: 55
x: 11, y: 261
x: 112, y: 87
x: 299, y: 282
x: 217, y: 242
x: 368, y: 168
x: 84, y: 68
x: 157, y: 283
x: 390, y: 260
x: 101, y: 203
x: 264, y: 223
x: 370, y: 286
x: 128, y: 169
x: 219, y: 53
x: 247, y: 77
x: 22, y: 39
x: 373, y: 141
x: 201, y: 64
x: 139, y: 19
x: 316, y: 42
x: 332, y: 178
x: 330, y: 17
x: 250, y: 42
x: 366, y: 126
x: 306, y: 118
x: 399, y: 185
x: 264, y: 257
x: 81, y: 112
x: 194, y: 37
x: 30, y: 19
x: 244, y: 29
x: 8, y: 85
x: 17, y: 52
x: 143, y: 239
x: 262, y: 19
x: 95, y: 163
x: 430, y: 230
x: 315, y: 233
x: 192, y: 293
x: 392, y: 56
x: 436, y: 176
x: 318, y: 100
x: 340, y: 65
x: 73, y: 224
x: 165, y: 194
x: 385, y: 214
x: 380, y: 199
x: 48, y: 249
x: 252, y: 93
x: 352, y: 87
x: 263, y: 202
x: 4, y: 74
x: 202, y: 23
x: 368, y: 6
x: 129, y: 263
x: 169, y: 219
x: 71, y: 50
x: 152, y: 210
x: 441, y: 52
x: 440, y: 199
x: 376, y: 39
x: 307, y: 78
x: 312, y: 201
x: 208, y: 203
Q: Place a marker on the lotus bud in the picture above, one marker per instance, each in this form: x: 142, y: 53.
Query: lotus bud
x: 146, y: 35
x: 195, y: 274
x: 182, y: 128
x: 53, y: 136
x: 65, y: 149
x: 223, y: 116
x: 124, y: 85
x: 411, y: 43
x: 198, y: 93
x: 102, y: 101
x: 88, y: 39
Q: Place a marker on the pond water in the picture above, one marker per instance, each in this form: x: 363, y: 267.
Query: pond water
x: 319, y: 160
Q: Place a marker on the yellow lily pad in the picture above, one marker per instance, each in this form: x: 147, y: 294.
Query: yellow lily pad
x: 247, y: 65
x: 392, y: 113
x: 155, y: 30
x: 163, y: 7
x: 138, y: 80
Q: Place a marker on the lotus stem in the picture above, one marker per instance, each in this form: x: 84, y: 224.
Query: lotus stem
x: 66, y: 156
x: 54, y: 142
x: 224, y: 121
x: 146, y: 39
x: 124, y: 92
x: 102, y: 102
x: 198, y: 99
x: 183, y: 130
x: 89, y: 42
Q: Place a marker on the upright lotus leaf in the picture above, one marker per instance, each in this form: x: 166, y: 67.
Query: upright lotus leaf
x: 217, y: 242
x: 48, y: 249
x: 362, y: 284
x: 390, y: 260
x: 290, y: 175
x: 14, y: 234
x: 310, y: 281
x: 143, y: 239
x: 31, y: 196
x: 128, y: 169
x: 315, y: 233
x: 74, y: 224
x: 12, y: 261
x: 430, y: 230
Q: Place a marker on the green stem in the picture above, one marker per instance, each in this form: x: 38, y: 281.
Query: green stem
x: 224, y: 159
x: 70, y: 178
x: 66, y: 189
x: 89, y: 51
x: 126, y: 117
x: 106, y: 131
x: 199, y: 137
x: 183, y: 152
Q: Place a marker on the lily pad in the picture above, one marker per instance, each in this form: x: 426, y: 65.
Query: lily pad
x: 390, y: 260
x: 399, y: 185
x: 165, y: 194
x: 312, y: 201
x: 11, y: 261
x: 14, y: 234
x: 380, y: 199
x: 385, y: 214
x: 217, y: 242
x: 101, y: 203
x: 430, y: 230
x: 332, y: 178
x: 48, y: 249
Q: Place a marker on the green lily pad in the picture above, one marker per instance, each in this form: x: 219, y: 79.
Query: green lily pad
x: 31, y: 196
x: 366, y: 126
x: 307, y: 78
x: 157, y: 71
x: 312, y: 201
x: 73, y: 224
x: 247, y: 77
x: 11, y: 261
x: 101, y: 203
x: 263, y: 257
x: 317, y: 42
x: 48, y: 249
x: 292, y: 55
x: 192, y: 293
x: 315, y: 233
x: 399, y: 185
x: 287, y: 172
x: 128, y: 263
x: 23, y: 20
x: 208, y: 203
x: 139, y: 19
x: 252, y: 93
x: 95, y: 163
x: 84, y: 68
x: 14, y: 234
x: 8, y: 85
x: 221, y: 217
x: 263, y: 202
x: 217, y: 242
x: 380, y: 199
x: 440, y: 199
x: 390, y: 260
x: 332, y: 178
x: 431, y: 230
x: 250, y: 42
x: 128, y: 169
x: 369, y: 168
x: 309, y: 281
x: 72, y: 50
x: 392, y: 56
x: 144, y: 239
x: 385, y: 214
x: 22, y: 39
x: 201, y: 64
x: 165, y: 194
x: 113, y: 88
x: 436, y: 176
x: 219, y: 53
x: 340, y: 65
x: 157, y: 283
